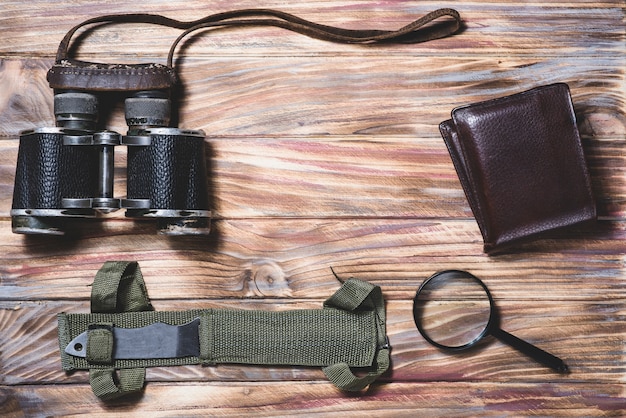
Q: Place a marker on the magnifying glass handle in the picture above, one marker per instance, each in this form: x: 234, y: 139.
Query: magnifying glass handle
x: 530, y: 350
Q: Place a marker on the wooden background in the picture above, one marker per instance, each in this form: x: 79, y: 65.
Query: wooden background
x: 329, y: 155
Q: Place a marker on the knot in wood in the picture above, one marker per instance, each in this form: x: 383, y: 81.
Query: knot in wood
x: 267, y: 278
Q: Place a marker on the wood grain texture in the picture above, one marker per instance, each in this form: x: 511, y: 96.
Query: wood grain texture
x: 343, y: 95
x: 325, y: 155
x: 497, y: 27
x: 387, y: 400
x: 277, y: 258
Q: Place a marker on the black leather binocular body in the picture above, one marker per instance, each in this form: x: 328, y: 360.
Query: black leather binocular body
x: 67, y: 171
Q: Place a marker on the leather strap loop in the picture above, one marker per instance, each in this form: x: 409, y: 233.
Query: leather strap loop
x: 414, y: 32
x: 281, y: 19
x: 68, y: 73
x: 62, y: 51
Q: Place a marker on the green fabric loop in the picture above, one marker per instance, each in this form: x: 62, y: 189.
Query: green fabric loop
x: 341, y: 374
x: 354, y: 294
x: 359, y: 295
x: 119, y: 287
x: 106, y: 385
x: 100, y: 344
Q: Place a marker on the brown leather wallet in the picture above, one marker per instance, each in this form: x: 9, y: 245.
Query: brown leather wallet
x: 520, y: 161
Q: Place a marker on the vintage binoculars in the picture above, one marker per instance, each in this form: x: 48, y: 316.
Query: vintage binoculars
x: 68, y: 170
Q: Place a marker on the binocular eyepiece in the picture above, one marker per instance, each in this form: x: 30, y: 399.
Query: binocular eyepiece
x: 67, y: 171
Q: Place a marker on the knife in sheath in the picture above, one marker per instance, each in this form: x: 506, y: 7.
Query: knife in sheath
x: 154, y: 341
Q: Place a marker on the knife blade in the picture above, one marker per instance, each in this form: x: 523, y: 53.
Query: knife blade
x: 154, y: 341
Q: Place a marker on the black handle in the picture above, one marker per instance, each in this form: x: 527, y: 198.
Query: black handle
x: 530, y: 350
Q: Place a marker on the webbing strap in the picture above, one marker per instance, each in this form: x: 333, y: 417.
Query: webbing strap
x: 106, y: 385
x: 348, y: 333
x: 358, y: 295
x: 119, y: 287
x: 304, y: 337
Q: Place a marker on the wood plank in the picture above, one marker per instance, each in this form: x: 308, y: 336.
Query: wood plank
x: 285, y: 399
x: 588, y: 336
x: 493, y: 28
x: 382, y: 96
x: 292, y: 258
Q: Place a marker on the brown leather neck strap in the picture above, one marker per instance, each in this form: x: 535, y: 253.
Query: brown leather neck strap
x: 414, y: 32
x: 73, y: 74
x: 62, y: 52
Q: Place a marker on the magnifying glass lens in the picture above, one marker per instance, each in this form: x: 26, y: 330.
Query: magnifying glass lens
x: 452, y: 310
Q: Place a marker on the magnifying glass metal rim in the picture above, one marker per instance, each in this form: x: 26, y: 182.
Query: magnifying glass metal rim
x: 488, y: 326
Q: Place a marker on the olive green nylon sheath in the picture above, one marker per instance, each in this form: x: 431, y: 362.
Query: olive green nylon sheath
x: 348, y: 333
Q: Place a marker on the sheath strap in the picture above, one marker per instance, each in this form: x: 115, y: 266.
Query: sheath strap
x: 347, y: 335
x: 69, y: 73
x: 119, y: 287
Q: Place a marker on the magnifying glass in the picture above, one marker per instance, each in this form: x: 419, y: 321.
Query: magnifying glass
x: 454, y: 311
